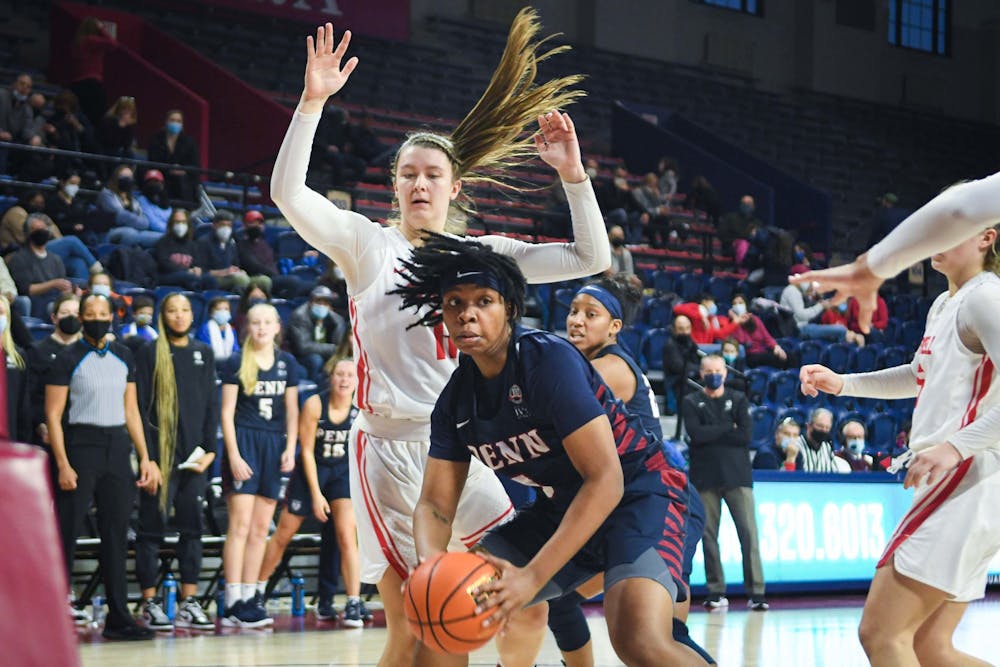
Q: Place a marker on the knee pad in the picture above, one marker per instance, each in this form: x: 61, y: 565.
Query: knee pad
x: 567, y: 622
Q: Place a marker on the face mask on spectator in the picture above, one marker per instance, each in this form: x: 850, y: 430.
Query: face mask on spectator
x: 820, y: 436
x: 254, y: 233
x: 143, y: 319
x: 746, y: 209
x: 799, y: 256
x: 740, y: 308
x: 173, y: 127
x: 71, y: 189
x: 856, y: 446
x: 730, y: 358
x: 591, y: 172
x: 682, y: 338
x: 711, y: 309
x: 96, y: 329
x: 126, y: 183
x: 34, y: 208
x: 785, y: 444
x: 180, y: 230
x: 617, y: 242
x: 223, y: 233
x: 69, y: 325
x: 712, y: 380
x: 39, y: 237
x: 221, y: 317
x: 102, y: 290
x: 152, y: 189
x: 319, y: 310
x: 20, y: 97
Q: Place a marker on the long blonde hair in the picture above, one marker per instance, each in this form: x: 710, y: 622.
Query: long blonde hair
x: 7, y: 339
x: 248, y: 362
x: 165, y: 400
x: 492, y: 137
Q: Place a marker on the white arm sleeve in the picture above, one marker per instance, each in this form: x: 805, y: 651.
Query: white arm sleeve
x: 589, y: 253
x: 898, y: 382
x: 979, y: 330
x: 942, y: 223
x: 341, y: 235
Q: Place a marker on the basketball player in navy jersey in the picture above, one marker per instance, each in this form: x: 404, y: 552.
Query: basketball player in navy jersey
x: 530, y: 406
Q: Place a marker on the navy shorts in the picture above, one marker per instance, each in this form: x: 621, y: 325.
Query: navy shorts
x: 643, y: 537
x: 333, y: 482
x: 693, y: 529
x: 262, y: 452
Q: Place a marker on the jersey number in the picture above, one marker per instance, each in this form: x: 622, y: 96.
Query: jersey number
x: 266, y: 408
x: 333, y: 450
x: 445, y: 347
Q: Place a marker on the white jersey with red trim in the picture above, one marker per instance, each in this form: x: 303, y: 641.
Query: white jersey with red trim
x: 955, y: 384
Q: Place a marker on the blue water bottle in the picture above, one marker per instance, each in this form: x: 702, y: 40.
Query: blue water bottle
x: 298, y: 594
x: 98, y: 610
x: 220, y: 598
x: 170, y: 596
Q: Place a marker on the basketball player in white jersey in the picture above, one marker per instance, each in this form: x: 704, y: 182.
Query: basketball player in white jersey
x: 403, y: 370
x: 936, y: 561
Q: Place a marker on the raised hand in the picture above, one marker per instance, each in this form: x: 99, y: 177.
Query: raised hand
x: 558, y: 146
x: 324, y: 74
x: 854, y: 279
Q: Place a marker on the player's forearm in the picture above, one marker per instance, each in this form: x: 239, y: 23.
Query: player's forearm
x: 889, y: 383
x: 431, y: 529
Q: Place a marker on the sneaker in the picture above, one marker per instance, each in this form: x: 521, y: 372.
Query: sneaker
x: 352, y: 614
x: 758, y: 604
x: 129, y: 633
x: 716, y: 602
x: 366, y: 615
x: 154, y: 617
x: 80, y: 617
x: 246, y: 614
x: 259, y: 603
x: 325, y: 610
x: 191, y: 615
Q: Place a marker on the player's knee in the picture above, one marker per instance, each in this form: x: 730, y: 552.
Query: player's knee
x: 876, y: 640
x: 933, y: 649
x: 568, y: 624
x: 643, y: 650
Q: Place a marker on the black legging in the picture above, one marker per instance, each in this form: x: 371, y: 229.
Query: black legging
x: 101, y: 458
x: 186, y: 492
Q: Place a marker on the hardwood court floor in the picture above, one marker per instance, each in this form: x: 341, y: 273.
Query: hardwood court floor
x: 810, y: 632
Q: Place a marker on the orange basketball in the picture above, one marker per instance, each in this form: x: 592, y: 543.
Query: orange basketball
x: 440, y: 606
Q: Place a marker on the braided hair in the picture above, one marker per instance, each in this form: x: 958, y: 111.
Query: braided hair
x: 439, y: 261
x: 628, y: 295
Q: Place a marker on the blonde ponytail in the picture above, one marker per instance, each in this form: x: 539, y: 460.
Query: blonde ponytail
x: 165, y: 400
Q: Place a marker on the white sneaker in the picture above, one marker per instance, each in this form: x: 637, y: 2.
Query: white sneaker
x: 191, y: 615
x: 80, y: 617
x: 716, y: 602
x: 153, y: 616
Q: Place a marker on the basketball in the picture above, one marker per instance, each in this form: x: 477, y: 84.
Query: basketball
x: 440, y: 606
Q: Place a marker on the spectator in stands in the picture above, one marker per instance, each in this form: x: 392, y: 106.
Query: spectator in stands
x: 258, y: 290
x: 116, y: 132
x: 12, y: 224
x: 760, y: 347
x: 217, y: 330
x: 556, y: 220
x: 880, y: 319
x: 667, y: 172
x: 91, y: 393
x: 91, y: 44
x: 220, y: 255
x: 736, y: 366
x: 257, y: 259
x: 101, y: 283
x: 116, y: 199
x: 793, y: 299
x: 718, y: 422
x: 681, y: 358
x: 707, y: 326
x: 886, y: 217
x: 703, y: 197
x: 66, y: 319
x: 315, y: 331
x: 67, y: 211
x: 171, y: 145
x: 735, y: 228
x: 178, y: 257
x: 333, y: 277
x: 141, y: 328
x: 802, y: 258
x: 785, y: 452
x: 621, y: 258
x: 153, y: 201
x: 37, y: 272
x: 657, y: 220
x: 333, y: 144
x: 366, y: 143
x: 180, y: 413
x: 620, y: 207
x: 16, y: 120
x: 73, y: 131
x: 8, y: 288
x: 19, y: 425
x: 851, y: 456
x: 816, y: 444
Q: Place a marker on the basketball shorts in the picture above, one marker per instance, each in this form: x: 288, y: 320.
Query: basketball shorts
x: 262, y: 452
x: 643, y: 537
x: 952, y: 531
x: 386, y: 476
x: 333, y: 482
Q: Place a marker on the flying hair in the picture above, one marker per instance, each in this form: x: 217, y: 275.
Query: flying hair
x: 441, y: 257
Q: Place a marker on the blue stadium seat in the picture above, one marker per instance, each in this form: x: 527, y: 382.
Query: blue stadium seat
x: 631, y: 339
x: 199, y: 304
x: 865, y: 359
x: 837, y: 357
x: 810, y: 351
x: 890, y: 335
x: 721, y: 289
x: 839, y: 404
x: 284, y: 307
x: 841, y: 418
x: 783, y: 388
x: 40, y: 330
x: 659, y: 312
x: 800, y: 415
x: 882, y: 430
x: 894, y: 355
x: 689, y: 286
x: 904, y: 307
x: 291, y: 245
x: 911, y: 334
x: 663, y: 281
x: 563, y: 298
x: 652, y: 348
x: 902, y: 409
x: 757, y: 384
x: 764, y: 421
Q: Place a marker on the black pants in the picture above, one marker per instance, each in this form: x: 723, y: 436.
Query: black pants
x: 100, y: 457
x: 185, y: 494
x: 329, y: 561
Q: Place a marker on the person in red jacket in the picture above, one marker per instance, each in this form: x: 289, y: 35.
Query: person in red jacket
x: 752, y: 334
x: 880, y: 318
x: 707, y: 326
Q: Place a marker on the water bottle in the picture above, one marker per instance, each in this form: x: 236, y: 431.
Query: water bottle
x: 298, y: 594
x: 220, y: 598
x: 170, y: 596
x: 98, y: 610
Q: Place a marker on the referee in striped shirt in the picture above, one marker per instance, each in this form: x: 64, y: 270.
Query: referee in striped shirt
x: 815, y: 444
x: 91, y: 413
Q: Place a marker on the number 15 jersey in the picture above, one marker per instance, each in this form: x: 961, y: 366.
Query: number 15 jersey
x: 264, y: 409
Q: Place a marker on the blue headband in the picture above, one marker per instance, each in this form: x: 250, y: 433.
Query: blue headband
x: 481, y: 278
x: 607, y: 299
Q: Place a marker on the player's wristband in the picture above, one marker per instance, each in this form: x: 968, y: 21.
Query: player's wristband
x: 789, y: 465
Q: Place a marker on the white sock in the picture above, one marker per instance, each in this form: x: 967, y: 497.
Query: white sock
x: 248, y: 591
x: 261, y: 587
x: 354, y: 598
x: 234, y: 593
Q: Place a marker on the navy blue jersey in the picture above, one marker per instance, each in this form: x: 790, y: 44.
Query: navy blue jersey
x: 643, y: 403
x: 265, y: 408
x: 515, y: 422
x: 331, y: 438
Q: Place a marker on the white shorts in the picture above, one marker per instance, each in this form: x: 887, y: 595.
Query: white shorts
x: 952, y: 531
x: 386, y: 476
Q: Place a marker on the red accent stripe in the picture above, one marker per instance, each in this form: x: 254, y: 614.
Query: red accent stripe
x: 981, y: 385
x: 906, y: 529
x: 364, y: 379
x: 389, y: 548
x: 473, y: 538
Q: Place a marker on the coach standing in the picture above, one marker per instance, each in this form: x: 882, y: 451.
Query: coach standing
x: 718, y: 422
x: 91, y: 392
